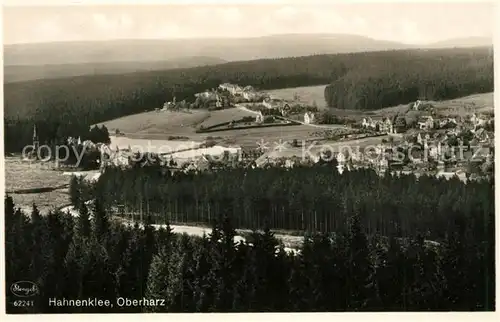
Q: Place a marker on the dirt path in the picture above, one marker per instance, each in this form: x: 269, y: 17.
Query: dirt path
x: 291, y: 243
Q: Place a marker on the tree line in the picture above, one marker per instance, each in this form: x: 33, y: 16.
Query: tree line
x: 388, y: 83
x: 69, y: 106
x: 93, y: 255
x: 309, y: 198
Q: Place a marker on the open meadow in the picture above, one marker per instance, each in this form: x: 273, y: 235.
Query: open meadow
x: 478, y: 103
x: 179, y: 128
x: 251, y: 137
x: 152, y: 145
x: 155, y: 129
x: 21, y: 175
x: 305, y: 94
x: 162, y: 124
x: 227, y: 115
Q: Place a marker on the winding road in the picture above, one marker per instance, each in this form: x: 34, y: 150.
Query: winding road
x: 290, y: 242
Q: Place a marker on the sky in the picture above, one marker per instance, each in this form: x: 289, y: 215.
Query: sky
x: 412, y: 23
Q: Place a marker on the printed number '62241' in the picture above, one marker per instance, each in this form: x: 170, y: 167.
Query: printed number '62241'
x: 23, y: 303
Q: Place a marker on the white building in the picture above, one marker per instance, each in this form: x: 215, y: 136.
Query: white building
x: 386, y: 126
x: 309, y: 118
x: 368, y: 123
x: 482, y: 135
x: 426, y: 122
x: 341, y: 158
x: 259, y: 118
x: 416, y: 105
x: 215, y: 152
x: 249, y: 96
x: 231, y: 88
x: 218, y: 102
x: 267, y: 103
x: 383, y: 163
x: 419, y: 139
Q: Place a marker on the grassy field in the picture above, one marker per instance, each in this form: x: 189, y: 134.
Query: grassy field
x: 162, y: 124
x: 250, y: 137
x: 152, y: 126
x: 306, y: 94
x: 227, y: 115
x: 152, y: 145
x: 24, y: 175
x: 479, y: 103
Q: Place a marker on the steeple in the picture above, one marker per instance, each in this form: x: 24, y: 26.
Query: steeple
x: 35, y: 137
x: 35, y: 142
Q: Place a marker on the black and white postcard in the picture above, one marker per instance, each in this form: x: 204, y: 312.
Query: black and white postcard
x: 248, y: 157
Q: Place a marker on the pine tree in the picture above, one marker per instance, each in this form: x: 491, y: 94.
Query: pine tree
x: 9, y: 210
x: 100, y: 222
x: 360, y: 267
x: 185, y: 300
x: 75, y: 265
x: 18, y: 254
x: 157, y: 280
x: 204, y: 283
x: 74, y: 191
x: 225, y: 256
x: 83, y: 222
x: 36, y: 218
x: 388, y: 276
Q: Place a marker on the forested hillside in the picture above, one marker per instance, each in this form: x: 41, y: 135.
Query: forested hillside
x: 415, y: 75
x: 359, y: 264
x: 306, y: 199
x: 19, y: 73
x: 360, y: 80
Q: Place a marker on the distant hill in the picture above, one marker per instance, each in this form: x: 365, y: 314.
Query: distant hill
x: 19, y: 73
x: 463, y: 42
x: 229, y: 49
x: 33, y: 61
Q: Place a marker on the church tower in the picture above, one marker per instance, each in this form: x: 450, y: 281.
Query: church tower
x: 36, y: 143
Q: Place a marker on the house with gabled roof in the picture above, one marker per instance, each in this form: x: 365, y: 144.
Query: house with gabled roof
x: 425, y: 122
x: 481, y: 135
x: 386, y: 126
x: 259, y: 118
x: 231, y: 88
x: 309, y: 118
x: 368, y: 123
x: 341, y: 158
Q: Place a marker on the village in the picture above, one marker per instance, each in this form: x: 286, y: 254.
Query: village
x: 434, y: 144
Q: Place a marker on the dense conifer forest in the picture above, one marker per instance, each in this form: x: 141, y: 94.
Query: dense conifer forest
x: 356, y: 264
x: 308, y: 198
x: 68, y: 106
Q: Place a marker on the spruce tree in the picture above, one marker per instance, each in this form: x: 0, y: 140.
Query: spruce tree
x: 360, y: 267
x: 83, y: 222
x: 74, y: 191
x: 101, y: 223
x: 9, y: 210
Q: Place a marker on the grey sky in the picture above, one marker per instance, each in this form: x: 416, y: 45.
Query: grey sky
x: 404, y: 22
